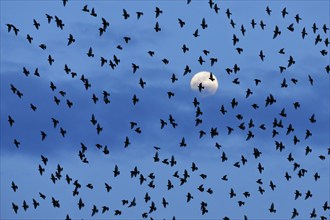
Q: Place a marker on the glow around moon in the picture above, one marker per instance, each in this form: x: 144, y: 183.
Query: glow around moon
x: 210, y: 87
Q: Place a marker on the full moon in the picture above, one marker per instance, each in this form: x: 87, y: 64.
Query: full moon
x: 205, y: 84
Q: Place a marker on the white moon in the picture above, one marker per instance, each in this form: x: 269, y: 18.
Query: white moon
x: 210, y: 86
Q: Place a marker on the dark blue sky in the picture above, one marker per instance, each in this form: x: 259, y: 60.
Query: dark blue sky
x: 21, y: 164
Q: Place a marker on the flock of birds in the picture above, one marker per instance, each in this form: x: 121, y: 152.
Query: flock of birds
x: 179, y: 178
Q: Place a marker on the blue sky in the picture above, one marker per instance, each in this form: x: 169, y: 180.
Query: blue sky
x: 21, y: 165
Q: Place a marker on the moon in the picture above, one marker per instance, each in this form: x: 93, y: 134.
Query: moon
x: 210, y: 86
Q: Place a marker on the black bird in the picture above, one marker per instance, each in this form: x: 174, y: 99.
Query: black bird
x: 312, y: 118
x: 195, y: 102
x: 183, y: 142
x: 294, y: 213
x: 36, y: 24
x: 189, y: 197
x: 158, y: 12
x: 297, y: 18
x: 139, y: 14
x: 14, y: 186
x: 17, y: 143
x: 281, y: 51
x: 243, y: 30
x: 325, y: 28
x: 234, y: 103
x: 36, y: 72
x: 50, y: 60
x: 94, y: 210
x: 126, y: 143
x: 151, y: 53
x: 55, y: 203
x: 152, y: 207
x: 116, y: 172
x: 262, y: 25
x: 127, y: 39
x: 70, y: 40
x: 25, y: 205
x: 35, y: 203
x: 14, y: 207
x: 135, y: 99
x: 187, y: 70
x: 42, y: 196
x: 253, y: 23
x: 63, y: 132
x: 223, y: 157
x: 326, y: 206
x: 49, y: 18
x: 272, y: 208
x: 90, y: 52
x: 203, y: 24
x: 261, y: 55
x: 196, y: 33
x: 200, y: 87
x: 142, y: 83
x: 10, y: 120
x: 29, y: 38
x: 135, y: 67
x: 64, y: 2
x: 216, y: 8
x: 213, y: 61
x: 173, y: 78
x: 291, y: 61
x: 157, y: 28
x: 132, y: 203
x: 235, y: 40
x: 228, y: 13
x: 125, y: 14
x: 277, y: 32
x: 284, y: 84
x: 290, y: 27
x: 303, y: 33
x: 93, y: 13
x: 318, y: 39
x: 284, y: 12
x: 200, y: 60
x: 181, y: 23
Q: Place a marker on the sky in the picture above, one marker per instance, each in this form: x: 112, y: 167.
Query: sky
x: 20, y: 165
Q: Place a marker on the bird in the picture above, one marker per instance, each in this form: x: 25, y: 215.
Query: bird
x: 142, y: 83
x: 29, y: 38
x: 272, y: 208
x: 203, y: 24
x: 139, y: 14
x: 261, y: 55
x: 158, y: 11
x: 183, y: 142
x: 196, y: 33
x: 11, y: 121
x: 157, y: 27
x: 50, y: 60
x: 277, y: 32
x: 268, y: 10
x: 135, y: 99
x: 284, y: 12
x: 90, y: 52
x: 70, y: 40
x: 93, y: 13
x: 181, y: 23
x: 135, y: 67
x: 36, y: 24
